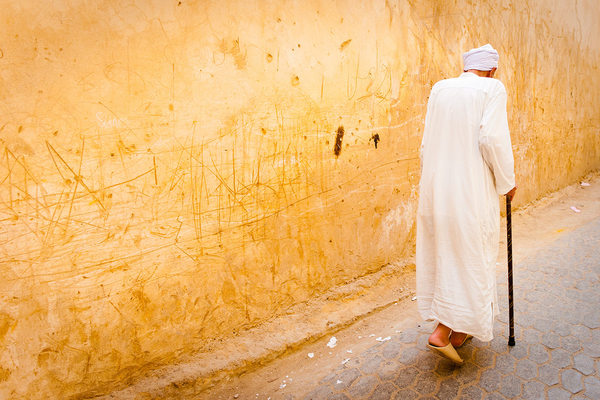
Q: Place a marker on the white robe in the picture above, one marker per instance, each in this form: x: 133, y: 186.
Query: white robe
x: 467, y: 162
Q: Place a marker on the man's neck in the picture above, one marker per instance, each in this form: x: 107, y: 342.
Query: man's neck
x: 483, y: 74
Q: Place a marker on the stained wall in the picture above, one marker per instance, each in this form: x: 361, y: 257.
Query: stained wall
x: 175, y: 171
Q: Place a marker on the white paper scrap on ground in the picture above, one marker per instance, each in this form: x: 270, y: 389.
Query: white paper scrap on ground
x: 345, y: 361
x: 371, y: 335
x: 414, y: 298
x: 338, y: 382
x: 349, y: 351
x: 332, y: 342
x: 380, y: 339
x: 282, y: 386
x: 311, y: 355
x: 585, y: 184
x: 575, y: 209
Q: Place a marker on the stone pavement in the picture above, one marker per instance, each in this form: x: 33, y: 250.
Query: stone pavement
x: 557, y: 331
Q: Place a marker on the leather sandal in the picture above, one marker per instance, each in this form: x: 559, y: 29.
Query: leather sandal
x: 447, y: 351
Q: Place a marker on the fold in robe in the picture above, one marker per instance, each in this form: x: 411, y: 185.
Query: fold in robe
x: 467, y: 162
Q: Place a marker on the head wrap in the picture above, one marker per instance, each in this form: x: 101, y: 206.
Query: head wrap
x: 483, y: 58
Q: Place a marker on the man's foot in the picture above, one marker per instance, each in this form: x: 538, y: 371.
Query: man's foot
x: 440, y: 337
x: 459, y: 338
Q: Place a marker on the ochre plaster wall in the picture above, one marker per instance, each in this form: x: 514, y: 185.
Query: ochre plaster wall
x: 168, y: 176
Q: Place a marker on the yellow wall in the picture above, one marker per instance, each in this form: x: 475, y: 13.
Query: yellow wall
x: 167, y: 169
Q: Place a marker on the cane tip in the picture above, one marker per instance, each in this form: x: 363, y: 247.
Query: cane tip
x: 511, y: 341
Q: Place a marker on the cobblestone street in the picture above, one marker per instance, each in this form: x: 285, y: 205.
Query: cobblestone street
x: 557, y: 331
x: 557, y: 352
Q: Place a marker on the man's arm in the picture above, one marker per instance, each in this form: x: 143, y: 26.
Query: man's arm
x: 495, y: 144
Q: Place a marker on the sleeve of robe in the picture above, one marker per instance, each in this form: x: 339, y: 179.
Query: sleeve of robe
x: 494, y: 141
x: 426, y: 128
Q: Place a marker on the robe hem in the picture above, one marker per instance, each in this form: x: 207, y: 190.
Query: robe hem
x: 483, y: 338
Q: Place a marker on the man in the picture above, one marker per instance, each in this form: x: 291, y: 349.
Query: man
x: 466, y: 162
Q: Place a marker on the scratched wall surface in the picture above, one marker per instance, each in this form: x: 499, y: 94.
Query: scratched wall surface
x: 169, y: 173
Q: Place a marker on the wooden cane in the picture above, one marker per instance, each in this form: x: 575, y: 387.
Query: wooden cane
x: 511, y: 320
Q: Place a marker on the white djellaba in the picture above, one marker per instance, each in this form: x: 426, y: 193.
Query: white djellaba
x: 467, y: 162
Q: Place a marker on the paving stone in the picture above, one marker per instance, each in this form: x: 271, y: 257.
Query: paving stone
x: 592, y: 349
x: 383, y: 391
x: 371, y: 351
x: 542, y: 324
x: 570, y: 344
x: 531, y: 335
x: 467, y: 373
x: 538, y: 353
x: 592, y: 320
x: 347, y: 377
x: 548, y: 374
x: 338, y: 396
x: 560, y: 358
x: 471, y: 393
x: 490, y: 380
x: 319, y: 393
x: 388, y: 369
x: 583, y: 363
x: 409, y: 355
x: 592, y: 387
x: 534, y: 390
x: 466, y: 352
x: 478, y: 343
x: 429, y: 363
x: 505, y: 363
x: 595, y: 335
x: 371, y: 364
x: 511, y: 386
x: 448, y: 389
x: 353, y: 362
x: 426, y: 383
x: 562, y: 328
x: 494, y: 396
x: 551, y: 340
x: 518, y: 351
x: 499, y: 345
x: 422, y: 341
x: 329, y: 378
x: 572, y: 380
x: 363, y: 386
x: 526, y: 369
x: 406, y: 377
x: 391, y: 350
x: 581, y: 332
x: 445, y: 367
x: 557, y: 393
x: 483, y: 357
x: 579, y: 396
x: 406, y: 394
x: 409, y: 336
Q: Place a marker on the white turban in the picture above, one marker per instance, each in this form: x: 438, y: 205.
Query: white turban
x: 483, y: 58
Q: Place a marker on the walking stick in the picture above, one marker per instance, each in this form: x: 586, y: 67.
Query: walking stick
x: 511, y: 320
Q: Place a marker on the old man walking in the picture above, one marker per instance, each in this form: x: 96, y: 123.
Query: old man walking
x: 467, y: 162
